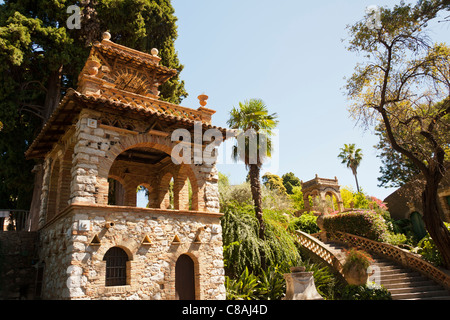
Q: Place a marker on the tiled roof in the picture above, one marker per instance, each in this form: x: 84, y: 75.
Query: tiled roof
x: 73, y: 102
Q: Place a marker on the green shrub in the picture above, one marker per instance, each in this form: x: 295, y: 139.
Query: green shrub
x: 266, y: 285
x: 428, y: 250
x: 307, y: 222
x: 366, y: 224
x: 370, y: 291
x: 242, y: 246
x: 397, y: 239
x: 243, y: 287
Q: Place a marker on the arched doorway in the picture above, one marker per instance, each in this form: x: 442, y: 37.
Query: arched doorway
x: 184, y: 278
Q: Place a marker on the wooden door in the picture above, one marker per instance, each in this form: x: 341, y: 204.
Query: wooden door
x: 184, y: 278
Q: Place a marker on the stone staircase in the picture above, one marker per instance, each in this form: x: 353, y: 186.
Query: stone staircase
x: 402, y: 283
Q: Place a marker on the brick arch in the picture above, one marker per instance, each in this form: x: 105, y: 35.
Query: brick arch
x: 130, y: 246
x: 163, y: 190
x: 138, y: 141
x: 148, y: 141
x: 182, y: 177
x: 197, y: 271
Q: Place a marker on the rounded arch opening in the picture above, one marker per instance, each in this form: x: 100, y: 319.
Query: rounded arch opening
x: 116, y: 192
x: 185, y: 282
x: 331, y: 202
x: 151, y: 180
x: 143, y: 196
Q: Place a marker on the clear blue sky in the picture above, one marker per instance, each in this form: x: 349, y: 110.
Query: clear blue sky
x: 290, y: 54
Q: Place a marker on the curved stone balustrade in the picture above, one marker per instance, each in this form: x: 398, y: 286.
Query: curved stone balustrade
x: 317, y: 247
x: 406, y: 258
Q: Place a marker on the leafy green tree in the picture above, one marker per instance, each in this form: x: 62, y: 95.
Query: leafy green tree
x: 290, y: 181
x: 297, y: 198
x: 396, y: 169
x: 40, y: 58
x: 404, y: 84
x: 273, y: 182
x: 352, y: 158
x: 254, y: 127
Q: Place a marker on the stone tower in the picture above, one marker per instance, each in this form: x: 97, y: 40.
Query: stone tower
x: 105, y: 139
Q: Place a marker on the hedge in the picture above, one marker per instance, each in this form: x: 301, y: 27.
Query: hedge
x: 367, y: 224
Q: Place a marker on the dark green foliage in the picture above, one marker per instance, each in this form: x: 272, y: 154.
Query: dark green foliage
x: 366, y: 224
x: 243, y: 247
x: 428, y: 250
x: 367, y: 292
x: 290, y: 181
x: 270, y: 284
x: 418, y: 226
x: 396, y: 169
x: 307, y: 222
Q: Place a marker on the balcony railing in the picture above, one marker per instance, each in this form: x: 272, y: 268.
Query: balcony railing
x: 14, y: 220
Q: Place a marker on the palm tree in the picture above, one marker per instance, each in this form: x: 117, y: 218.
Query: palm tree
x: 254, y: 127
x: 352, y: 158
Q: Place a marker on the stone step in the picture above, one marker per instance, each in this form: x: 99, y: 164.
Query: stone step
x: 402, y: 283
x: 402, y: 276
x: 408, y: 289
x: 432, y: 298
x: 406, y: 284
x: 419, y: 295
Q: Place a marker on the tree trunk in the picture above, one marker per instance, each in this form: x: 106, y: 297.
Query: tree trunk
x: 432, y: 218
x: 255, y: 185
x: 356, y: 178
x: 52, y: 100
x: 53, y: 95
x: 357, y: 185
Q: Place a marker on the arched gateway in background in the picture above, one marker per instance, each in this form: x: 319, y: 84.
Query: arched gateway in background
x: 321, y: 188
x: 94, y: 242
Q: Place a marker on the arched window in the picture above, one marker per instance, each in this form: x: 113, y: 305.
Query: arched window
x: 116, y: 267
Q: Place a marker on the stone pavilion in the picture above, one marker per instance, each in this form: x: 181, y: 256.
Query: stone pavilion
x: 104, y: 140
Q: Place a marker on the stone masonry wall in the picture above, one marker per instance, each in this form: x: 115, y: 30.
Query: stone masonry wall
x: 74, y: 267
x: 97, y: 147
x: 18, y: 249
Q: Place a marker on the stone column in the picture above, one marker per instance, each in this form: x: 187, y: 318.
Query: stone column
x: 90, y: 146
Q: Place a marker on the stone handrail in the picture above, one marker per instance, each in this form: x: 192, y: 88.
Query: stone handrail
x: 404, y: 257
x: 316, y: 246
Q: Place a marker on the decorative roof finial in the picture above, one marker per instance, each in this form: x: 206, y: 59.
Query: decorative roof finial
x: 202, y: 98
x: 106, y: 35
x: 154, y: 52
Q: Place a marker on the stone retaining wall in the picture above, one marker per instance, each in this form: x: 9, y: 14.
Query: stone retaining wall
x: 18, y: 251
